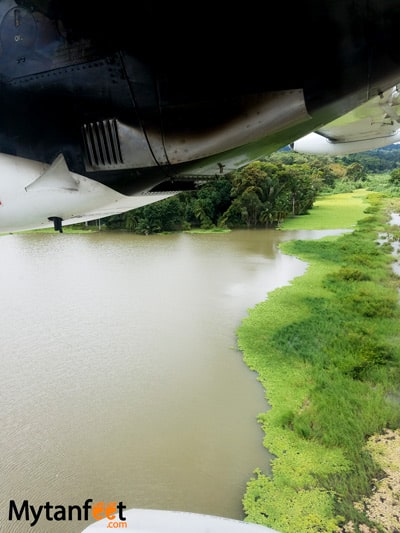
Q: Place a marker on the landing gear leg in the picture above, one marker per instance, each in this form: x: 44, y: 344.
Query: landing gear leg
x: 57, y: 223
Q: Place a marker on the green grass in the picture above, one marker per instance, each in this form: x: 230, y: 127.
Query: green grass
x: 339, y: 211
x: 326, y: 349
x: 72, y: 228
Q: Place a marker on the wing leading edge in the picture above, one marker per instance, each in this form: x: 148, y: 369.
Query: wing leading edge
x: 372, y: 125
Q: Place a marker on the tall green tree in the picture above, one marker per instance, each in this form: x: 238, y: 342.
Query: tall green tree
x: 265, y: 193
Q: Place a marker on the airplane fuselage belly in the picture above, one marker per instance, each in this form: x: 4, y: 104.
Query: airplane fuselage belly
x: 135, y: 101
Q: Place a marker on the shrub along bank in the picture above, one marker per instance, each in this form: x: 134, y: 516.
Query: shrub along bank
x: 326, y: 350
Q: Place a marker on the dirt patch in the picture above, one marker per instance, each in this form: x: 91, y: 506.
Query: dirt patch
x: 383, y: 507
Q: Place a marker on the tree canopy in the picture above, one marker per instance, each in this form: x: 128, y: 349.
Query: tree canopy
x: 263, y: 193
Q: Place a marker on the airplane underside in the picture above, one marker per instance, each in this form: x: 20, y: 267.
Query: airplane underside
x: 103, y: 111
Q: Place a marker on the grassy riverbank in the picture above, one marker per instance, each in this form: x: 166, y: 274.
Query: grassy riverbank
x: 326, y: 349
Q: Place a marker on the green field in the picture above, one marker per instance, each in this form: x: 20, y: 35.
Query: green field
x: 326, y: 350
x: 331, y: 212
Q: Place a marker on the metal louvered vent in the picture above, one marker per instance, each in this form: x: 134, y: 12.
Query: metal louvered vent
x: 102, y: 144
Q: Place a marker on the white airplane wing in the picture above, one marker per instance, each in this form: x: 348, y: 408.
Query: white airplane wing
x: 372, y: 125
x: 160, y: 521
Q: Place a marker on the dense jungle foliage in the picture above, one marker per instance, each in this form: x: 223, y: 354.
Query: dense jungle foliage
x: 265, y: 192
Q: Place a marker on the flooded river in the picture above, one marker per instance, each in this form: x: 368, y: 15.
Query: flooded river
x: 121, y: 380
